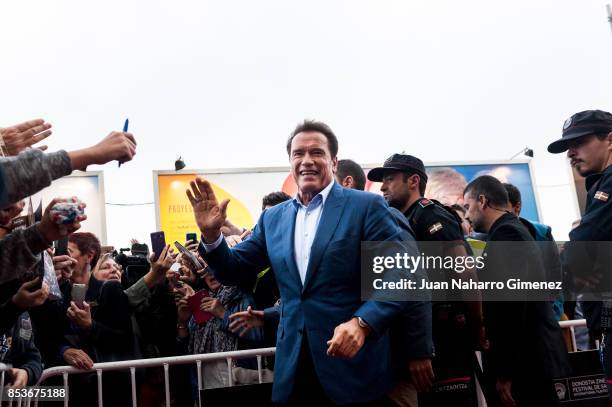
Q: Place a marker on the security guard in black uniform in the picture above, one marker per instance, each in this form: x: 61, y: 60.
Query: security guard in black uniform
x: 587, y: 138
x: 455, y: 324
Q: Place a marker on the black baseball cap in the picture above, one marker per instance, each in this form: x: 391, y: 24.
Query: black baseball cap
x: 398, y: 162
x: 579, y: 125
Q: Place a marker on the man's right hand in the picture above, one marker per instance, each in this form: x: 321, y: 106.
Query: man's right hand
x: 52, y: 231
x: 209, y: 214
x: 78, y: 358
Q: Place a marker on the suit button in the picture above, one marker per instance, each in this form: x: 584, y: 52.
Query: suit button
x: 300, y: 331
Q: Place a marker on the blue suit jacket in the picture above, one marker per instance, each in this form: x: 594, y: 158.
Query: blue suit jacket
x: 330, y: 295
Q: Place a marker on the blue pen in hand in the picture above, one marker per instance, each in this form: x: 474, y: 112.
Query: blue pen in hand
x: 125, y: 128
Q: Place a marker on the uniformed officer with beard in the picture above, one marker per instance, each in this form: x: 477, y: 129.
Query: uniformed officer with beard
x: 587, y: 138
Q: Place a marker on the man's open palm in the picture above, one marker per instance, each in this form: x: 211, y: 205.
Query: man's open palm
x: 209, y: 213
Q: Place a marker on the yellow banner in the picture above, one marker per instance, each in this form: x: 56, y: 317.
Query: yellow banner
x: 176, y: 215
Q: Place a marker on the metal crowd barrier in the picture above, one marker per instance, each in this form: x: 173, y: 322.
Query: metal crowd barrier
x: 166, y: 362
x: 132, y: 365
x: 3, y: 369
x: 572, y: 324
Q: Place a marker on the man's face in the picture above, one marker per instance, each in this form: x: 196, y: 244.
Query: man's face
x: 395, y: 189
x: 312, y: 165
x: 589, y: 154
x: 474, y: 212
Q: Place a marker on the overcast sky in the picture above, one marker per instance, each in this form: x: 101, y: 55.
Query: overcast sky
x: 223, y: 83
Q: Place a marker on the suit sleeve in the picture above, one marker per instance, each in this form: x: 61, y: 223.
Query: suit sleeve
x: 415, y: 328
x: 379, y: 225
x: 239, y: 265
x: 272, y: 315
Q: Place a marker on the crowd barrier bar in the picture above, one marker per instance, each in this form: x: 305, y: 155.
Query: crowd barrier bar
x: 3, y: 369
x: 166, y: 362
x: 572, y: 324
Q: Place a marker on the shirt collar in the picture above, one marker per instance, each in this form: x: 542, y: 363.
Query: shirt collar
x: 318, y: 199
x: 412, y: 208
x: 505, y: 218
x: 594, y: 178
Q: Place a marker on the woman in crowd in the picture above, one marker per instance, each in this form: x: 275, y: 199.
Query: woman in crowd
x: 213, y: 335
x: 103, y: 322
x: 107, y: 269
x: 98, y: 330
x: 85, y: 248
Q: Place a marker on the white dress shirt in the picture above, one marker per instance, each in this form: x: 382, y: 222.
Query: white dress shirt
x: 306, y: 225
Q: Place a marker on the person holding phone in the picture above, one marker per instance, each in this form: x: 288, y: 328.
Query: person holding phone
x: 99, y: 330
x: 214, y: 334
x: 91, y: 322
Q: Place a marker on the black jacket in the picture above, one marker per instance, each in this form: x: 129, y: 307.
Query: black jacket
x: 525, y: 338
x: 589, y: 251
x: 21, y: 352
x: 110, y: 337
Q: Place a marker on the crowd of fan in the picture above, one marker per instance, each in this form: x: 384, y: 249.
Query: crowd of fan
x: 120, y: 320
x: 40, y: 328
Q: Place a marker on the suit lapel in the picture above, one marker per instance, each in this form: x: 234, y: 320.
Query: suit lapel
x: 332, y: 211
x: 289, y: 215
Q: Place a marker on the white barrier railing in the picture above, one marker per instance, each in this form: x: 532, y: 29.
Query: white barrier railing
x: 572, y: 324
x: 3, y: 369
x: 132, y: 365
x: 166, y: 362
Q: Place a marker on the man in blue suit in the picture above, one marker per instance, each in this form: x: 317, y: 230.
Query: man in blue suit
x: 332, y: 347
